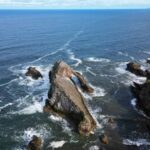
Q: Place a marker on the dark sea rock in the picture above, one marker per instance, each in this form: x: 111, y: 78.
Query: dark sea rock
x: 141, y: 91
x: 64, y: 97
x: 35, y: 143
x: 136, y: 69
x: 142, y: 94
x: 34, y: 73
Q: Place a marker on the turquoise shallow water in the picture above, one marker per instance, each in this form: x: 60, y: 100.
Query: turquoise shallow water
x: 98, y: 44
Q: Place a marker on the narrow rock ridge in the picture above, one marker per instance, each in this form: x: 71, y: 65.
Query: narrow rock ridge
x: 64, y: 97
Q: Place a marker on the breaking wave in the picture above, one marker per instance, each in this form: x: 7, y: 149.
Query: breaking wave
x: 93, y: 59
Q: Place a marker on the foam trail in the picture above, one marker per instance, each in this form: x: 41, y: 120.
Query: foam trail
x: 8, y: 82
x: 2, y: 107
x: 67, y: 44
x: 88, y: 69
x: 126, y: 55
x: 52, y: 53
x: 138, y: 142
x: 146, y: 52
x: 93, y: 59
x: 72, y: 57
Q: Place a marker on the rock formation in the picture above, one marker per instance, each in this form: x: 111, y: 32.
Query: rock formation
x: 65, y: 98
x: 35, y: 143
x: 141, y: 91
x: 142, y: 94
x: 135, y: 69
x: 34, y: 73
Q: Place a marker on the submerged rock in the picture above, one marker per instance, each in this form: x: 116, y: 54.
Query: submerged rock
x: 35, y: 143
x: 65, y: 98
x: 34, y: 73
x: 135, y: 69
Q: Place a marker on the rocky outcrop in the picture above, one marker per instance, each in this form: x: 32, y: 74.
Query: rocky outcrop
x: 35, y: 143
x: 142, y: 94
x: 141, y: 91
x: 135, y: 69
x: 65, y: 98
x: 34, y: 73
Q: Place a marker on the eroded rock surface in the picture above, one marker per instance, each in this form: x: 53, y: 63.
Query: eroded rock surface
x: 34, y: 73
x: 65, y: 98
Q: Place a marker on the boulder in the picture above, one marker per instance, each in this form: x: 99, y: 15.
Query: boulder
x: 65, y: 98
x: 142, y: 94
x: 34, y: 73
x: 35, y: 143
x: 136, y: 69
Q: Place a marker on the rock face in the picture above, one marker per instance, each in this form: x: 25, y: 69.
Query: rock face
x: 142, y: 94
x: 135, y: 69
x: 65, y: 98
x: 34, y: 73
x: 35, y: 143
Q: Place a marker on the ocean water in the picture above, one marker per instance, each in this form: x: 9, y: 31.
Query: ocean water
x: 97, y: 43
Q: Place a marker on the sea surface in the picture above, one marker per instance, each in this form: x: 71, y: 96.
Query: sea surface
x: 97, y: 43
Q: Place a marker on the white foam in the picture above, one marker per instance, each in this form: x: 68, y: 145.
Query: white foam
x: 40, y: 132
x: 33, y: 108
x: 129, y: 78
x: 40, y: 83
x: 137, y: 142
x: 6, y: 105
x: 95, y: 147
x: 93, y: 59
x: 57, y: 144
x: 72, y: 57
x: 55, y: 118
x: 29, y: 133
x: 121, y: 68
x: 98, y: 91
x: 133, y: 102
x: 30, y: 104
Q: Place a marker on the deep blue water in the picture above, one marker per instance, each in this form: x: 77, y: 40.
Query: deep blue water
x: 97, y: 43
